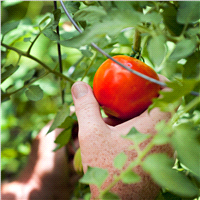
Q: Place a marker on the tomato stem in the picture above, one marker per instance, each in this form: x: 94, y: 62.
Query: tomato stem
x: 137, y: 43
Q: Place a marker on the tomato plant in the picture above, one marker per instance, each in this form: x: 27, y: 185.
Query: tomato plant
x: 121, y: 93
x: 35, y: 85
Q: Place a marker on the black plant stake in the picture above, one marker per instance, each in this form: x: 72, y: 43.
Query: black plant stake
x: 59, y: 58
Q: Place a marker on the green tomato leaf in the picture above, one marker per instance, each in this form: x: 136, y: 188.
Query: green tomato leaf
x: 160, y: 168
x: 120, y: 160
x: 60, y: 118
x: 9, y: 153
x: 10, y: 3
x: 156, y: 49
x: 34, y: 93
x: 28, y: 39
x: 188, y: 12
x: 169, y: 17
x: 85, y: 51
x: 183, y: 49
x: 186, y: 142
x: 78, y: 162
x: 63, y: 138
x: 57, y: 15
x: 130, y: 177
x: 9, y: 70
x: 136, y: 136
x: 68, y: 123
x: 29, y: 75
x: 112, y: 24
x: 4, y: 96
x: 153, y: 17
x: 48, y: 32
x: 72, y: 6
x: 191, y: 69
x: 90, y: 14
x: 170, y: 99
x: 87, y: 196
x: 163, y: 131
x: 7, y: 27
x: 94, y: 175
x: 110, y: 195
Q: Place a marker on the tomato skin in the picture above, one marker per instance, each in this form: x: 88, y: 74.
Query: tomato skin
x: 121, y: 93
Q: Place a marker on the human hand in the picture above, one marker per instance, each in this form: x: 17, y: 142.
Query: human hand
x: 46, y: 175
x: 100, y: 143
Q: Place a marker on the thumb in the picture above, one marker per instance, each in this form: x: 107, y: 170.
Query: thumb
x: 86, y: 106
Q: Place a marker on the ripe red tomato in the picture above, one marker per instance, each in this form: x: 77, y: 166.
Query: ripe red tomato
x: 121, y: 93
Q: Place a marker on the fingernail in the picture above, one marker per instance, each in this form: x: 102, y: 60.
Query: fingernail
x: 79, y: 89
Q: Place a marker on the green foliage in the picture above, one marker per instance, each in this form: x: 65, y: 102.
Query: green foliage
x: 156, y: 49
x: 130, y: 177
x: 94, y: 175
x: 160, y: 168
x: 34, y: 93
x: 188, y: 12
x: 120, y: 160
x: 187, y: 146
x: 78, y: 161
x: 135, y: 136
x: 110, y: 195
x: 33, y: 87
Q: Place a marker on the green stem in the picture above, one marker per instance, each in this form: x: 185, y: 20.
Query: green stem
x: 187, y: 108
x: 22, y: 53
x: 32, y: 43
x: 92, y: 62
x: 137, y: 41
